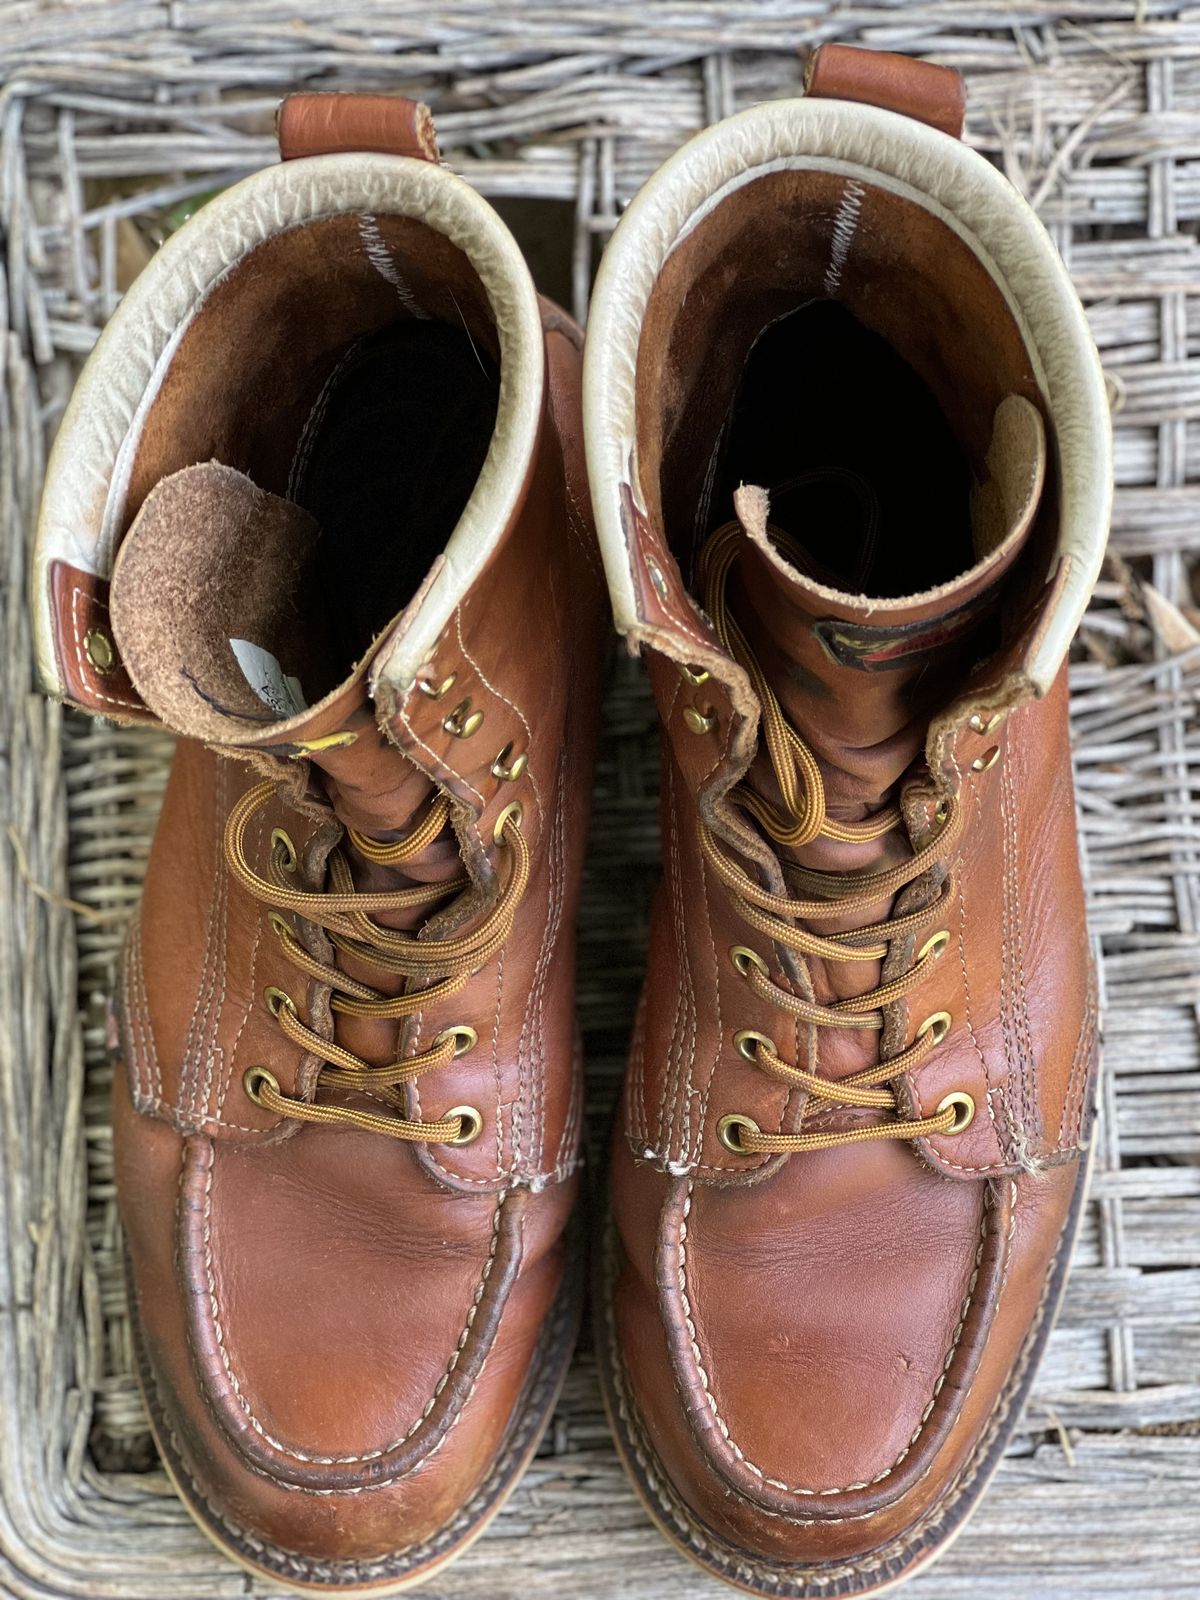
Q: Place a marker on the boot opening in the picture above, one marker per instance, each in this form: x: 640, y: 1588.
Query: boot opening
x: 305, y: 456
x: 849, y: 351
x: 866, y: 480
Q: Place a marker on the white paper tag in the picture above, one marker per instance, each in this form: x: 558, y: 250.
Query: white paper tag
x: 268, y: 679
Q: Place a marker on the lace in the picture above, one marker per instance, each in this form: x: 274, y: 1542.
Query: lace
x: 347, y: 915
x: 778, y: 917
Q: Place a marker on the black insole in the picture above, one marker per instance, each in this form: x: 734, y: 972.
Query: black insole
x: 862, y: 467
x: 391, y: 454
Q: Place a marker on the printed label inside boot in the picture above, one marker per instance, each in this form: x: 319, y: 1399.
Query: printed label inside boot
x: 268, y: 680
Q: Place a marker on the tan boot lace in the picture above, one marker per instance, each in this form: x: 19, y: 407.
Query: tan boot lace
x: 347, y: 916
x: 778, y: 917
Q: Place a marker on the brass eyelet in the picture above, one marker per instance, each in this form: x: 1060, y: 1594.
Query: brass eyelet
x: 933, y: 946
x: 700, y: 721
x: 508, y: 771
x: 100, y: 651
x: 744, y: 958
x: 471, y: 1124
x: 462, y: 721
x: 988, y: 759
x: 746, y: 1039
x: 939, y: 1023
x: 283, y: 841
x: 279, y: 925
x: 964, y: 1105
x: 465, y: 1038
x: 728, y: 1135
x: 278, y: 1000
x: 253, y: 1081
x: 981, y: 724
x: 695, y: 674
x: 943, y: 810
x: 435, y: 691
x: 516, y: 811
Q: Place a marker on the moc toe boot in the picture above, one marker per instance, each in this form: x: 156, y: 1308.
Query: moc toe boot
x: 317, y: 508
x: 848, y: 446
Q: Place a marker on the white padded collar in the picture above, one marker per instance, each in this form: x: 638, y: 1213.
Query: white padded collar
x: 82, y: 503
x: 933, y: 171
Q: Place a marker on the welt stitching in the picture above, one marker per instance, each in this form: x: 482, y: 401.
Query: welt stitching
x: 776, y: 1483
x: 1013, y: 1098
x: 370, y: 1455
x: 500, y: 695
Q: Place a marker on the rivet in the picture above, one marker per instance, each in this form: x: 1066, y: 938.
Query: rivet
x: 980, y: 724
x: 99, y: 650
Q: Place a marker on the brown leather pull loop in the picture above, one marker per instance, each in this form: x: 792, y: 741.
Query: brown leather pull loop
x: 336, y: 124
x: 917, y: 89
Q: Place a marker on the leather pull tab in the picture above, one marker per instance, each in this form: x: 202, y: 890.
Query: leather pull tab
x: 917, y: 89
x: 339, y: 124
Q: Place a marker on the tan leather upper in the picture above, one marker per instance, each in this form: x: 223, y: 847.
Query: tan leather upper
x: 343, y: 1332
x: 813, y: 1358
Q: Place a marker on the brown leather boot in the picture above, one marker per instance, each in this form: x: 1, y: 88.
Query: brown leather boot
x: 317, y: 506
x: 848, y: 446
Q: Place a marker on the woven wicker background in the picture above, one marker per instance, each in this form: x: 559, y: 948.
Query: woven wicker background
x: 114, y: 119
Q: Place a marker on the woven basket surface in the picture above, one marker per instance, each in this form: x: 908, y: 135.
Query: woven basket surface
x: 115, y: 120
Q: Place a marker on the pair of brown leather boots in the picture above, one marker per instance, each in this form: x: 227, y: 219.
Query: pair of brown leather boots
x: 320, y: 507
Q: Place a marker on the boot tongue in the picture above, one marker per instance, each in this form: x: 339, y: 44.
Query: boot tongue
x: 858, y: 676
x: 227, y: 638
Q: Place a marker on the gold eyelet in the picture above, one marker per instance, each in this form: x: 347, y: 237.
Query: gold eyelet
x: 939, y: 1022
x: 730, y: 1138
x: 253, y: 1080
x: 743, y: 959
x: 471, y: 1124
x: 465, y: 1038
x: 747, y: 1038
x: 435, y: 691
x: 943, y: 810
x: 516, y: 811
x: 980, y: 724
x: 283, y: 841
x: 988, y: 759
x: 933, y: 946
x: 964, y: 1104
x: 462, y: 721
x: 100, y: 651
x: 507, y: 771
x: 700, y: 721
x: 695, y: 674
x: 279, y: 999
x: 279, y: 925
